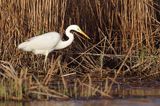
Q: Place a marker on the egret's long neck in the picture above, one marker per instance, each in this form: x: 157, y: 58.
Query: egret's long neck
x: 64, y: 44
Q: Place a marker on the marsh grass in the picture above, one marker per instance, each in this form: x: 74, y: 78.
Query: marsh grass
x: 123, y: 48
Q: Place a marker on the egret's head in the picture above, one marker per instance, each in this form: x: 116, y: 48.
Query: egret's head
x: 78, y: 29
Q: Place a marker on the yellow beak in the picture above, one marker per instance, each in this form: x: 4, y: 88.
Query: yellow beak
x: 81, y: 32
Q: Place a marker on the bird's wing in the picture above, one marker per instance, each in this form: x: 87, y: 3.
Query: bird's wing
x: 45, y: 41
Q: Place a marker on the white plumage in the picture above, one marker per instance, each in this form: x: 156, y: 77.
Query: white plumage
x: 40, y: 44
x: 45, y: 43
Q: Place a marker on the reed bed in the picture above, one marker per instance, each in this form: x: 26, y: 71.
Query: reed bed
x: 123, y: 50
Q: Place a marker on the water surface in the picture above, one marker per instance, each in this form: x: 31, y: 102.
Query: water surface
x: 113, y: 102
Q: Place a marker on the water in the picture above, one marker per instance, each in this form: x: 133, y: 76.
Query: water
x: 114, y: 102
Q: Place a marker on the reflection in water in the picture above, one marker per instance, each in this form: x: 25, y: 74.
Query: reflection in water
x: 115, y: 102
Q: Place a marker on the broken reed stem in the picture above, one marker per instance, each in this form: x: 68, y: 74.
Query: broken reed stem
x: 119, y: 70
x: 97, y: 90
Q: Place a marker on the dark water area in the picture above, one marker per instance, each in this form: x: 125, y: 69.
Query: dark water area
x: 150, y: 101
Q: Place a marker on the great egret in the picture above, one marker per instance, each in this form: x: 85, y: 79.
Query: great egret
x: 45, y: 43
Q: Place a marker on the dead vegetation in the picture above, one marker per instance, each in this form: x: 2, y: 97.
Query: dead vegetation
x: 124, y: 49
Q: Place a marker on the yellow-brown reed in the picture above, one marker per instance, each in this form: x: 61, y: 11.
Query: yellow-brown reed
x: 124, y: 30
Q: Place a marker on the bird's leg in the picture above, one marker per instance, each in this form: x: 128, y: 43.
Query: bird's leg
x: 45, y: 60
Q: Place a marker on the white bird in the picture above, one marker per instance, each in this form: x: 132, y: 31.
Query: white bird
x: 45, y: 43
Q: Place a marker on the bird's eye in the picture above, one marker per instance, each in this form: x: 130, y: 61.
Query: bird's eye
x: 78, y: 29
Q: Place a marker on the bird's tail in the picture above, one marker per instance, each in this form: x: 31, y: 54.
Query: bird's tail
x: 24, y: 46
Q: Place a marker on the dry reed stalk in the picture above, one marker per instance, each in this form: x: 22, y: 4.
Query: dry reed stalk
x: 93, y: 88
x: 114, y: 27
x: 119, y: 70
x: 12, y: 89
